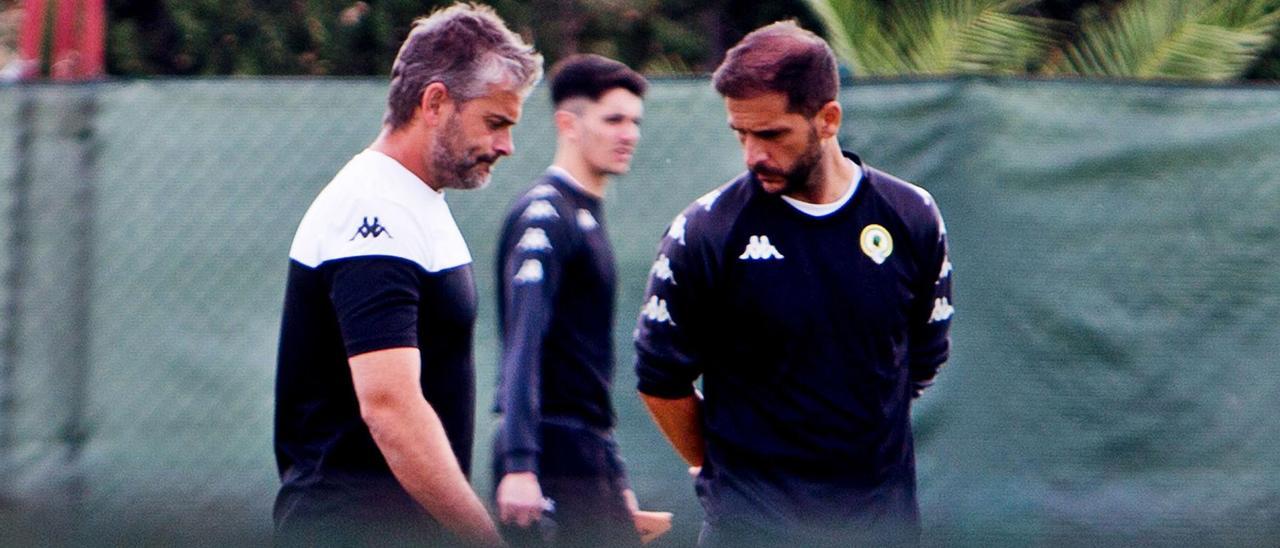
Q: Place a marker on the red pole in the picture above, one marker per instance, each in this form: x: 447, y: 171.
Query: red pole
x: 30, y: 37
x: 93, y: 39
x: 66, y: 55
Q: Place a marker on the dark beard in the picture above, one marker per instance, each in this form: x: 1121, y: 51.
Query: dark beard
x: 454, y: 167
x: 797, y: 178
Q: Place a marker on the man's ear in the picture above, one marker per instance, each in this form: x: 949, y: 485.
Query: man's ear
x: 566, y: 124
x: 828, y: 120
x: 434, y: 102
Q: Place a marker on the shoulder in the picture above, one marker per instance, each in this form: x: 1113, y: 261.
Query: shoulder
x: 915, y: 210
x: 709, y: 219
x: 912, y: 203
x: 541, y: 203
x: 363, y: 212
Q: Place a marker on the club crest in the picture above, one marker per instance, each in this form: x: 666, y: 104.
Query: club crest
x: 876, y: 243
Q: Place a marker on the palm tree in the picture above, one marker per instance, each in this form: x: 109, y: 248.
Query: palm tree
x: 1179, y: 39
x: 936, y: 36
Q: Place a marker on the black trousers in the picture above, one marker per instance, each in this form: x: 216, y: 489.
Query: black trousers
x: 580, y: 471
x: 327, y: 516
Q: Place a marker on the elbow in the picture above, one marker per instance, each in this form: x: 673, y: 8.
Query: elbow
x: 378, y: 411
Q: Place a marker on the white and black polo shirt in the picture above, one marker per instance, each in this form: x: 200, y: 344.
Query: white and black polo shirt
x: 378, y: 262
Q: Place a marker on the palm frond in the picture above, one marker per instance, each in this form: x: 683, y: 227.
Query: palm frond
x: 1177, y: 39
x: 936, y: 36
x: 856, y: 32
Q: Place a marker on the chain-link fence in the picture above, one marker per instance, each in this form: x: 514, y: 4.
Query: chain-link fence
x: 1113, y: 378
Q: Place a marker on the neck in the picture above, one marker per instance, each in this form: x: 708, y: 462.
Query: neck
x: 830, y: 179
x: 406, y: 147
x: 591, y: 180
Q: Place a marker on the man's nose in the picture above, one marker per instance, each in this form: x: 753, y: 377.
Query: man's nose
x: 753, y: 153
x: 504, y: 145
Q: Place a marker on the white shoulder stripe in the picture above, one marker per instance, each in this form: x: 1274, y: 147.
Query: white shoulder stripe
x: 365, y: 211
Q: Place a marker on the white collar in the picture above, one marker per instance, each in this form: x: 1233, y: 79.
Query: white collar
x: 401, y: 175
x: 822, y: 210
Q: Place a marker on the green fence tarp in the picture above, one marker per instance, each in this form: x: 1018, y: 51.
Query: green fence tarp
x: 1117, y: 250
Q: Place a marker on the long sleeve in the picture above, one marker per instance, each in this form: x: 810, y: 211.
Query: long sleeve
x: 666, y: 353
x: 532, y: 264
x: 930, y: 340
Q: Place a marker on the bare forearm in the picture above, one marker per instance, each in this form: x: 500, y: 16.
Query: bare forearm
x: 413, y: 441
x: 680, y: 420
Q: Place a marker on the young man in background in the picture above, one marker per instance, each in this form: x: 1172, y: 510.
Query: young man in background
x: 555, y: 461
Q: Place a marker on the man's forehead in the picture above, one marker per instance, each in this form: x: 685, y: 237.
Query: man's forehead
x: 760, y: 111
x: 614, y: 100
x: 498, y: 102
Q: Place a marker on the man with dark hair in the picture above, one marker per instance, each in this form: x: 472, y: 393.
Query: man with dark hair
x: 375, y: 386
x: 812, y: 294
x: 556, y: 297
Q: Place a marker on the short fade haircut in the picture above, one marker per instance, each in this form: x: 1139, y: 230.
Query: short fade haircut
x: 781, y: 58
x: 466, y: 47
x: 591, y: 76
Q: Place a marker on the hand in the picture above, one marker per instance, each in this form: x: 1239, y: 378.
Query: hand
x: 520, y: 499
x: 651, y: 525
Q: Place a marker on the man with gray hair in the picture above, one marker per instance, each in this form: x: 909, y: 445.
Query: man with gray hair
x: 375, y: 386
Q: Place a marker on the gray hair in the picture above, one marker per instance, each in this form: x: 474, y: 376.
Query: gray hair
x: 466, y: 47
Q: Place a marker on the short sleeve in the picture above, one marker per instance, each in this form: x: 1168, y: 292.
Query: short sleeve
x: 376, y: 301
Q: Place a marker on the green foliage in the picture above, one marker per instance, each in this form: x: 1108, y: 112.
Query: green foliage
x: 254, y: 37
x: 936, y: 36
x: 341, y: 37
x: 1179, y: 39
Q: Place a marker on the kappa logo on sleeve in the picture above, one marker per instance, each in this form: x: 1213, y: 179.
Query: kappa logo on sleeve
x: 368, y: 230
x: 655, y: 310
x: 586, y: 220
x: 538, y: 210
x: 543, y: 191
x: 534, y: 239
x: 530, y: 272
x: 942, y: 310
x: 709, y: 199
x: 661, y: 269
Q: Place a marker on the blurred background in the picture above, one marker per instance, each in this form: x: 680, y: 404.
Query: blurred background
x: 1108, y: 171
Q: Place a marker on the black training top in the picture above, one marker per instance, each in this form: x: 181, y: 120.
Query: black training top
x: 556, y: 272
x: 811, y: 331
x: 377, y: 263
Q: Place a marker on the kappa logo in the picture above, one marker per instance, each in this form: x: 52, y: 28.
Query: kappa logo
x: 946, y: 268
x: 543, y: 191
x: 709, y: 199
x: 656, y: 311
x: 368, y: 230
x: 530, y: 272
x: 586, y: 220
x: 534, y: 239
x: 759, y: 249
x: 540, y: 209
x: 942, y: 310
x: 661, y: 269
x: 676, y: 232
